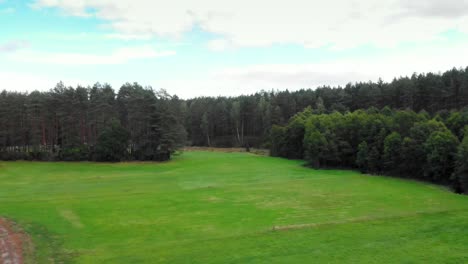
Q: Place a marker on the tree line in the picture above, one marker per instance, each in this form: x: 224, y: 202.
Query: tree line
x: 93, y: 123
x: 247, y: 120
x: 392, y: 142
x: 139, y: 123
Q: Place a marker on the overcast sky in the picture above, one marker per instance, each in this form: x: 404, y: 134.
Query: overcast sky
x: 219, y: 47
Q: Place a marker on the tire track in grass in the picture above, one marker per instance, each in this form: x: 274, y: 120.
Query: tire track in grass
x: 11, y: 244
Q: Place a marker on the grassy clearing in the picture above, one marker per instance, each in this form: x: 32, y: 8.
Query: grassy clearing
x: 209, y: 207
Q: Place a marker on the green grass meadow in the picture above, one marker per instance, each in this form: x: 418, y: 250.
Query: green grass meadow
x: 212, y: 207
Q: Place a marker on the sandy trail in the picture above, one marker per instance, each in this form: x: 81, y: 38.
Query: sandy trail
x: 11, y: 244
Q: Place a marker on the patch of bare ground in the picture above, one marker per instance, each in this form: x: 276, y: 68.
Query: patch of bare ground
x: 13, y: 243
x: 264, y: 152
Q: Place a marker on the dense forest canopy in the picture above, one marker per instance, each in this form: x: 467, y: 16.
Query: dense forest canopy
x: 399, y: 143
x: 91, y: 123
x: 236, y: 121
x: 139, y: 123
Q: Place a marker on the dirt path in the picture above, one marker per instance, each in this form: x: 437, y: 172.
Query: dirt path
x: 11, y: 244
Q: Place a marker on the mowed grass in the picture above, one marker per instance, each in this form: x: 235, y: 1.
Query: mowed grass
x: 211, y: 207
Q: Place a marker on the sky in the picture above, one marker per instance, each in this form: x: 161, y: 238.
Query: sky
x: 218, y: 47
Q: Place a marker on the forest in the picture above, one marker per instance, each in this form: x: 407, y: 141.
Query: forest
x: 399, y: 143
x: 95, y: 123
x: 411, y: 127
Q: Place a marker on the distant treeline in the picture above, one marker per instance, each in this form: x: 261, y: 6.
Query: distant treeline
x: 400, y: 143
x: 238, y: 121
x: 138, y: 123
x: 90, y: 123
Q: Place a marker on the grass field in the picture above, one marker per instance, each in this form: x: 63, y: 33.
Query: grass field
x: 208, y: 207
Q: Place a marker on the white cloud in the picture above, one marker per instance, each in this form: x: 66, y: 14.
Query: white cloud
x: 447, y: 8
x: 251, y: 79
x: 218, y: 44
x: 28, y: 82
x: 312, y: 23
x: 118, y: 56
x: 337, y: 24
x: 129, y: 36
x: 74, y: 8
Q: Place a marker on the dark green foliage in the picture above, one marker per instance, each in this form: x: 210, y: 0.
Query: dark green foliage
x: 66, y: 123
x: 315, y: 146
x: 294, y: 138
x: 112, y: 144
x: 440, y: 150
x: 233, y: 120
x: 74, y: 153
x: 277, y: 138
x: 461, y: 172
x: 399, y: 143
x: 392, y: 152
x: 362, y: 157
x: 413, y: 158
x: 456, y: 123
x: 374, y: 162
x: 40, y: 155
x: 14, y: 155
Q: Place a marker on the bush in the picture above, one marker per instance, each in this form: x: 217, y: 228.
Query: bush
x: 14, y: 155
x: 74, y: 153
x: 42, y: 156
